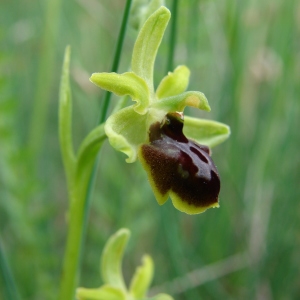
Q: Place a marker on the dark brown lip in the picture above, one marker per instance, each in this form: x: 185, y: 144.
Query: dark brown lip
x: 181, y: 165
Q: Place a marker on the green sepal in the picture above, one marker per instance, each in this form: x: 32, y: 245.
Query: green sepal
x: 126, y: 130
x: 142, y: 278
x: 125, y: 84
x: 65, y: 120
x: 179, y: 102
x: 147, y: 43
x: 174, y: 83
x: 205, y: 132
x: 111, y: 259
x: 105, y: 292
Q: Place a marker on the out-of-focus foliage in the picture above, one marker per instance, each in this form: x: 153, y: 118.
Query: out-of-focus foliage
x: 244, y: 55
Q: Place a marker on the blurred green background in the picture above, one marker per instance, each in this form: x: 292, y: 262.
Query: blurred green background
x: 245, y: 57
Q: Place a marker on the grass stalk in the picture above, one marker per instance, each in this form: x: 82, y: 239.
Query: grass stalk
x: 106, y: 99
x: 172, y: 38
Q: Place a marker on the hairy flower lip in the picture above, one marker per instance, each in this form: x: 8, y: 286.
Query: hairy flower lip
x: 180, y: 167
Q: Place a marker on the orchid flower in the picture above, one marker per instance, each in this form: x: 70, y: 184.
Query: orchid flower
x: 174, y: 149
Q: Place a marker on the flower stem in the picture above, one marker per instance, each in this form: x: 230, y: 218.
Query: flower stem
x: 104, y: 110
x: 80, y: 204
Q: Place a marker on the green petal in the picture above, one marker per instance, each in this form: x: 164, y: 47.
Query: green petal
x: 111, y: 259
x: 174, y: 83
x: 147, y: 43
x: 205, y: 132
x: 142, y: 278
x: 126, y: 130
x: 106, y: 292
x: 125, y: 84
x: 179, y: 102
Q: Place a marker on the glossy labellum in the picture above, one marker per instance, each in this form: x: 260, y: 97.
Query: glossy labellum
x: 180, y: 168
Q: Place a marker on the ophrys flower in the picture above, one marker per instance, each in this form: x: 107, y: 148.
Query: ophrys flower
x: 174, y: 150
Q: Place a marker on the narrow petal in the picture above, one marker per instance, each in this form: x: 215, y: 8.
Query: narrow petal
x: 147, y: 43
x: 142, y: 278
x: 205, y: 132
x: 174, y: 83
x: 126, y: 130
x: 179, y: 102
x: 125, y: 84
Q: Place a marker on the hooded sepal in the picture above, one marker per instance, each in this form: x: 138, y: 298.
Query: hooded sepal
x: 147, y: 43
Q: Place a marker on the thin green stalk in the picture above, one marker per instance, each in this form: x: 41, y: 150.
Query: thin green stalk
x: 10, y: 287
x: 79, y: 206
x: 172, y: 40
x: 77, y: 191
x: 116, y: 60
x: 106, y: 100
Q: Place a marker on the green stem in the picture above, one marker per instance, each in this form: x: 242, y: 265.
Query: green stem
x: 81, y: 196
x: 77, y: 191
x: 107, y: 96
x: 72, y: 252
x: 10, y: 288
x: 172, y: 40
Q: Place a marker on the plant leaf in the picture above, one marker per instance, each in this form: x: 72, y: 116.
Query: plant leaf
x: 142, y: 278
x: 179, y: 102
x: 147, y: 43
x: 174, y: 83
x: 205, y: 132
x: 125, y: 84
x: 111, y: 259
